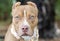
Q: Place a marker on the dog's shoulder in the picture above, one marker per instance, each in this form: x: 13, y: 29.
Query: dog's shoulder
x: 9, y: 35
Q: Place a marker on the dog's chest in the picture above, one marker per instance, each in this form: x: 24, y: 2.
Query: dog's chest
x: 30, y: 38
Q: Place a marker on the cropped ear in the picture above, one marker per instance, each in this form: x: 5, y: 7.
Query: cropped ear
x: 31, y: 4
x: 15, y: 5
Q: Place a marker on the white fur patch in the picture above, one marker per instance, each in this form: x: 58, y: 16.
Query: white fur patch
x: 25, y: 19
x: 14, y: 32
x: 24, y: 13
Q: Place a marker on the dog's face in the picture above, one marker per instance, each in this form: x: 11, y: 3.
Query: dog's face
x: 24, y: 18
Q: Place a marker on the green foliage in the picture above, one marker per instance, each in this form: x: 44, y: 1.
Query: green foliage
x: 57, y: 10
x: 5, y: 6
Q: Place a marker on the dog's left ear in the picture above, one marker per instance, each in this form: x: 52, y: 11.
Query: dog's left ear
x: 31, y: 4
x: 15, y: 5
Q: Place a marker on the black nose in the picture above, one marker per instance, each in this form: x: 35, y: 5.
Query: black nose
x: 25, y: 29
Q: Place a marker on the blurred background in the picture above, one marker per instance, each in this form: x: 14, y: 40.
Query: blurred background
x: 5, y: 15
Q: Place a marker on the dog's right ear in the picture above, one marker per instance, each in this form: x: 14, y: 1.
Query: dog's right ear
x: 15, y: 5
x: 31, y: 4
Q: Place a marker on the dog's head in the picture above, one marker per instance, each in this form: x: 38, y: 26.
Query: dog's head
x: 24, y: 18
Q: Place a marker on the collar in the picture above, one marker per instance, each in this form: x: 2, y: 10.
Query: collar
x: 35, y: 35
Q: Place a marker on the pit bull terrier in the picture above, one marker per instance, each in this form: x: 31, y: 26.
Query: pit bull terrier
x: 24, y: 23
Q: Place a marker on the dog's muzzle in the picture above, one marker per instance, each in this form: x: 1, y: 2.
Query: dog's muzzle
x: 26, y: 38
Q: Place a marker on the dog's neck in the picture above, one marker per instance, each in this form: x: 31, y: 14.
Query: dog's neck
x: 35, y: 35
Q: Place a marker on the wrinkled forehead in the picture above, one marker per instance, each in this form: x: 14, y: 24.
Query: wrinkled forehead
x: 23, y: 10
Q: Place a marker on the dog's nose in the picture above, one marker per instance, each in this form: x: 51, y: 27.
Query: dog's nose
x: 25, y: 28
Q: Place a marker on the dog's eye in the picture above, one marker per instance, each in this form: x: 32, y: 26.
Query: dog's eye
x: 31, y: 17
x: 17, y: 17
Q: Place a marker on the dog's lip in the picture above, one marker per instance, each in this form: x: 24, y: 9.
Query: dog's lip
x: 25, y: 34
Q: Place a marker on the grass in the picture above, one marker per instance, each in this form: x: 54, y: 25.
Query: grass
x: 3, y: 24
x: 57, y: 9
x: 1, y: 39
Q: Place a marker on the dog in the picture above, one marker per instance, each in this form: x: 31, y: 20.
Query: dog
x: 24, y: 23
x: 46, y: 17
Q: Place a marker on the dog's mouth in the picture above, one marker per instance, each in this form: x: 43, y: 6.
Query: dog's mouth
x: 25, y: 34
